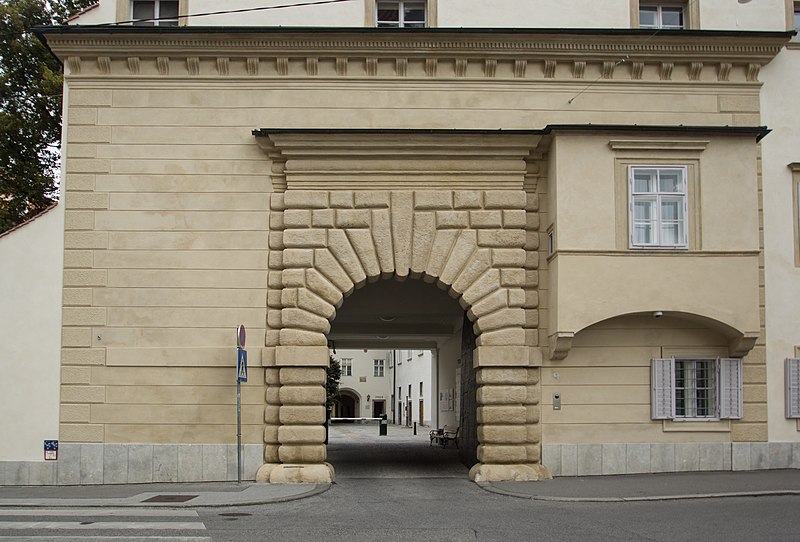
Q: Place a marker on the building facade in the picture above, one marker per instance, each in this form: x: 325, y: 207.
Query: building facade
x: 569, y: 206
x: 365, y: 388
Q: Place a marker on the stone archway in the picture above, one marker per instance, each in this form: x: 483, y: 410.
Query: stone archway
x: 455, y: 212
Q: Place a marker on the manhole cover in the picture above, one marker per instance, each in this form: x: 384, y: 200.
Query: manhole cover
x: 170, y: 498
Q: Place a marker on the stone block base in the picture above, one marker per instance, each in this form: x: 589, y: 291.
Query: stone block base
x: 638, y: 458
x: 283, y: 473
x: 500, y: 473
x: 96, y: 463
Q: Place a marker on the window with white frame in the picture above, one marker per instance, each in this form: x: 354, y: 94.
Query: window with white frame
x: 662, y: 16
x: 400, y: 14
x: 347, y: 366
x: 155, y: 12
x: 377, y: 367
x: 696, y: 388
x: 658, y: 206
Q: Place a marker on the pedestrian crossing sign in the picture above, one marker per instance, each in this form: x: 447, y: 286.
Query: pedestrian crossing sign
x: 241, y: 365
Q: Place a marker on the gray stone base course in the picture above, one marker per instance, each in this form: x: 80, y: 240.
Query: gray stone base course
x: 84, y: 464
x: 622, y: 458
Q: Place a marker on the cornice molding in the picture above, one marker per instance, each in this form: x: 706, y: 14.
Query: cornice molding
x: 665, y: 57
x: 310, y: 160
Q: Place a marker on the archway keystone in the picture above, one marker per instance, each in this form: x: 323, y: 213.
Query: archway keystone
x: 450, y: 209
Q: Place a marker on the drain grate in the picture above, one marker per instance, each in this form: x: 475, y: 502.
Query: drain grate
x: 170, y: 498
x: 236, y: 514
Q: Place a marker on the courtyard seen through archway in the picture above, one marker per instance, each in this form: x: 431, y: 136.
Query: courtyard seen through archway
x: 399, y: 345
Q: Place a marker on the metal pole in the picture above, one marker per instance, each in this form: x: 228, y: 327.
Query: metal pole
x: 238, y: 431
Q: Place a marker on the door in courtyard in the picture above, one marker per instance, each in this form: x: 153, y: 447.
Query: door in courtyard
x: 378, y: 408
x: 421, y: 412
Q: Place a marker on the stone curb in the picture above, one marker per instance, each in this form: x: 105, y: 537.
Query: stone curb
x: 315, y: 489
x: 487, y: 486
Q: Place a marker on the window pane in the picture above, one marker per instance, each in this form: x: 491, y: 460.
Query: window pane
x: 648, y: 16
x: 643, y: 233
x: 144, y: 10
x: 168, y: 13
x: 644, y: 209
x: 671, y: 208
x: 695, y: 388
x: 671, y: 233
x: 670, y: 180
x: 672, y: 17
x: 414, y: 14
x: 388, y: 14
x: 644, y: 180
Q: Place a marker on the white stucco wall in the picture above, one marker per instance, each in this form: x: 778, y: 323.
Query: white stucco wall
x: 413, y: 367
x: 732, y: 15
x: 377, y: 387
x: 31, y: 259
x: 714, y: 14
x: 447, y: 367
x: 781, y: 113
x: 534, y: 14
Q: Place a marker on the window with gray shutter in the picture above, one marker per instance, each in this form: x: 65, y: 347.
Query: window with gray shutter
x: 662, y: 391
x: 692, y: 388
x: 730, y: 388
x: 793, y: 387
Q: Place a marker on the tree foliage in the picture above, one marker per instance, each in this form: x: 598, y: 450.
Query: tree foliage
x: 30, y: 108
x: 334, y: 376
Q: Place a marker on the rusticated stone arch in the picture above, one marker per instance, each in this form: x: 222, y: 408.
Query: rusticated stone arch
x: 470, y: 241
x: 476, y: 253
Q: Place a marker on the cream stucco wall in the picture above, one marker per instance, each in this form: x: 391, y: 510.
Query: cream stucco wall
x: 182, y: 223
x: 31, y: 259
x: 779, y: 149
x: 604, y: 383
x: 716, y: 277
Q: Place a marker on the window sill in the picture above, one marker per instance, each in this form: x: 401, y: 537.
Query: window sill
x: 696, y: 425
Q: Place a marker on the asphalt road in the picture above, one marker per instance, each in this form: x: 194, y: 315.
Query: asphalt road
x: 451, y: 509
x: 392, y: 490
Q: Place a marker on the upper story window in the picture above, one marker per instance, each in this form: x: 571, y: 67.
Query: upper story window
x: 377, y: 367
x: 347, y: 366
x: 400, y: 14
x: 155, y: 12
x: 658, y: 207
x: 667, y: 16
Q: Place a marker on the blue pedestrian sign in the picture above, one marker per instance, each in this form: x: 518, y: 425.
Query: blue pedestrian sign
x: 241, y: 365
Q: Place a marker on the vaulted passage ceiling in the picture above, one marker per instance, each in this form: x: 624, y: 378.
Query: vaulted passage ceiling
x: 394, y: 314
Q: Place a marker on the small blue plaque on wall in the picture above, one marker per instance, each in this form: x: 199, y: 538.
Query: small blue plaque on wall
x: 50, y: 450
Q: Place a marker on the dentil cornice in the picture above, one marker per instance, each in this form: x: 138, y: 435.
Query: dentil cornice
x: 678, y: 56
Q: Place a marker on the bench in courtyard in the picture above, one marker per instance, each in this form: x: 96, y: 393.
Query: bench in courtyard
x: 444, y: 435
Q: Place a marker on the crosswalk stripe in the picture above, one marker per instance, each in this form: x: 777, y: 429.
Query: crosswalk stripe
x: 152, y: 525
x: 97, y: 512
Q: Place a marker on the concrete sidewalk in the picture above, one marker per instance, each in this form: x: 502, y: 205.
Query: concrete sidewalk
x: 359, y: 453
x: 172, y: 495
x: 654, y: 487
